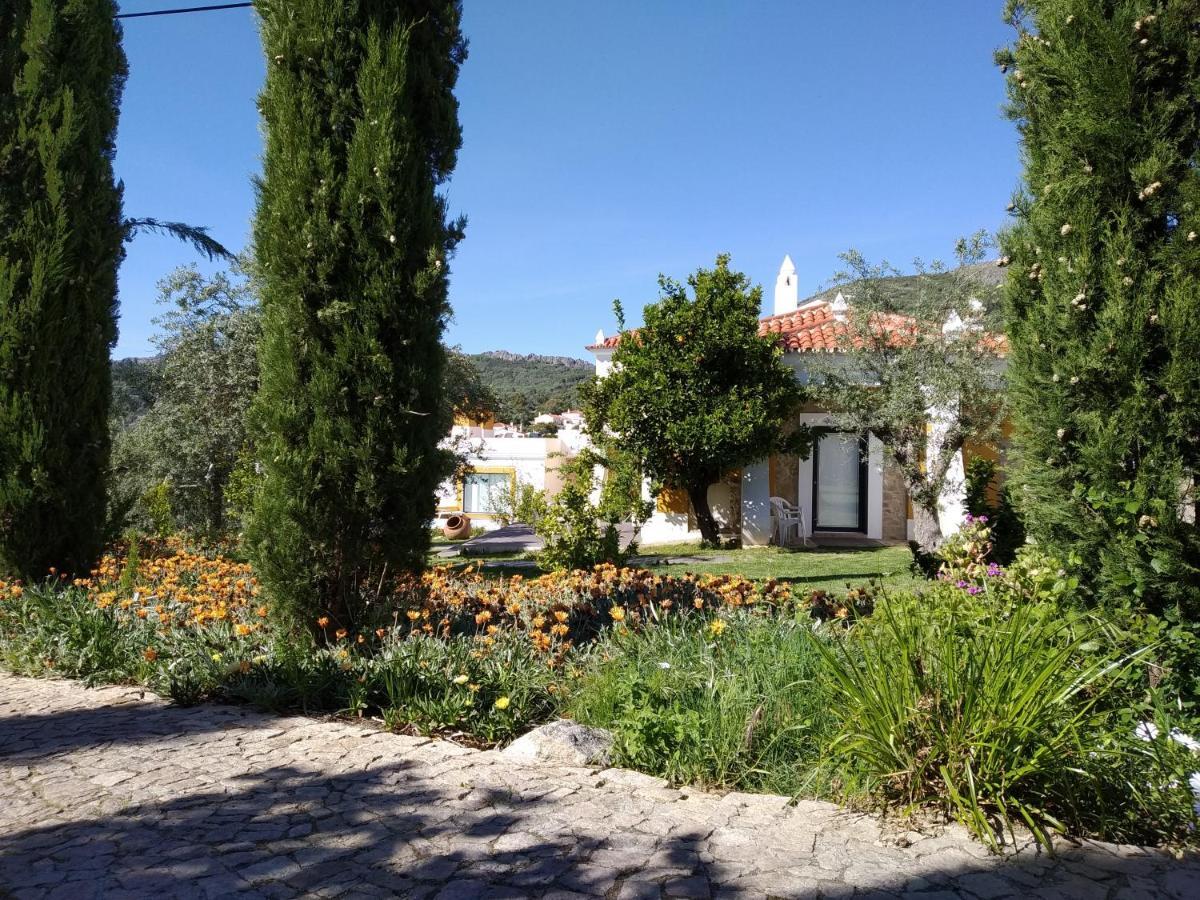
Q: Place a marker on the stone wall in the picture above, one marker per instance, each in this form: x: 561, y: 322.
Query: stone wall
x: 895, y: 504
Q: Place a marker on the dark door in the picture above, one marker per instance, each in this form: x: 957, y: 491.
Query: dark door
x: 839, y: 482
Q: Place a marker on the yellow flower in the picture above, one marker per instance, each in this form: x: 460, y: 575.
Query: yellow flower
x: 502, y: 703
x: 618, y: 613
x: 717, y: 627
x: 461, y: 679
x: 216, y: 657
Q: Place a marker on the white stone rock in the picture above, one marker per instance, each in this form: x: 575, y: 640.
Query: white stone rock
x: 562, y: 743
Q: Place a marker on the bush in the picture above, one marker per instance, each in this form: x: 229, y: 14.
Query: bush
x: 996, y: 507
x: 1001, y: 712
x: 520, y: 502
x: 574, y: 536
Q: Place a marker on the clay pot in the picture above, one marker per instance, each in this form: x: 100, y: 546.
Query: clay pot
x: 457, y: 527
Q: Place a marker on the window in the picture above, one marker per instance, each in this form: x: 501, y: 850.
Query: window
x: 839, y: 482
x: 482, y: 489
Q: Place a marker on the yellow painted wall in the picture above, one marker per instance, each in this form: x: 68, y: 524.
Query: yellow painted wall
x: 488, y: 420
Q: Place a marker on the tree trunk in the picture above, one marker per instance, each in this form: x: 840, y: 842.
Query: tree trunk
x: 927, y: 530
x: 709, y: 535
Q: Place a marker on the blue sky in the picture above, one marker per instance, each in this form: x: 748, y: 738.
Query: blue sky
x: 605, y: 143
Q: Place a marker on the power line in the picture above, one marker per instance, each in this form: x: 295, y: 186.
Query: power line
x: 178, y: 12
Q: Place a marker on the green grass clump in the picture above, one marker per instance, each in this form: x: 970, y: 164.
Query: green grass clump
x: 738, y: 705
x: 1003, y: 714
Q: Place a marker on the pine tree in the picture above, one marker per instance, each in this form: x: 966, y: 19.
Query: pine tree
x: 62, y: 72
x: 1104, y: 291
x: 352, y: 240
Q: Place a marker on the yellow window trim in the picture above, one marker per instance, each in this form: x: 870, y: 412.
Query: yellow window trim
x: 484, y: 470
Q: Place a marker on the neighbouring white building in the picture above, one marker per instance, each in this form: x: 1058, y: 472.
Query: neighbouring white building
x: 846, y: 490
x: 500, y: 458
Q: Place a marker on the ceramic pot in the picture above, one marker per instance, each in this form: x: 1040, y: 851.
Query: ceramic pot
x: 457, y: 527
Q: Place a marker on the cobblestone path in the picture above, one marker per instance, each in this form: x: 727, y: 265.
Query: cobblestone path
x: 104, y: 793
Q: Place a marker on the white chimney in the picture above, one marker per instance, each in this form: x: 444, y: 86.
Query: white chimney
x: 787, y: 288
x: 839, y: 307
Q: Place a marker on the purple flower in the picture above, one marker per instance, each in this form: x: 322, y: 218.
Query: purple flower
x: 973, y: 590
x: 982, y: 520
x: 960, y: 583
x: 993, y: 570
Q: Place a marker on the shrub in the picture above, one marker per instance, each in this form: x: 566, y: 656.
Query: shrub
x: 995, y: 504
x: 520, y: 502
x: 574, y: 536
x: 1001, y: 712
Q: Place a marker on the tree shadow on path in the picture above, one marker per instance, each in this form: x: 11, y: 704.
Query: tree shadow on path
x: 418, y: 822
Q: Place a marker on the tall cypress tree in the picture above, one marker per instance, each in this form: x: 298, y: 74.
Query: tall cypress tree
x: 62, y: 72
x: 1104, y: 291
x: 352, y: 239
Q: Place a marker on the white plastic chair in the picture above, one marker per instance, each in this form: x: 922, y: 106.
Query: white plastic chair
x: 786, y: 517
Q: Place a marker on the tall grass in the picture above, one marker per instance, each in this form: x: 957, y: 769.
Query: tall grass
x: 744, y: 707
x: 1001, y: 715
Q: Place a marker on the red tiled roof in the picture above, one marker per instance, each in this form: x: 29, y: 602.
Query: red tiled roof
x: 815, y: 329
x: 607, y: 344
x: 804, y: 330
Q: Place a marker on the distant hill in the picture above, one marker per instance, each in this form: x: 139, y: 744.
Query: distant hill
x: 902, y: 287
x: 528, y: 384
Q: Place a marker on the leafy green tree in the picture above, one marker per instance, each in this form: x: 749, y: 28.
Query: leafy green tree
x: 922, y: 374
x: 466, y: 391
x: 352, y: 241
x: 61, y: 232
x: 696, y: 392
x: 1103, y: 296
x: 194, y: 435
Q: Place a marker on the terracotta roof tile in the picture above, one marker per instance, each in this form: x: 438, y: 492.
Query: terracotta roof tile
x: 815, y: 329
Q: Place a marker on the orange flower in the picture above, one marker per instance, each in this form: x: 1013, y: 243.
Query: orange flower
x: 380, y: 632
x: 262, y: 612
x: 323, y: 622
x: 341, y: 633
x: 150, y: 654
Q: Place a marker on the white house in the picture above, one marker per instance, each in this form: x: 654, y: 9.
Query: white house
x: 498, y: 462
x: 846, y: 490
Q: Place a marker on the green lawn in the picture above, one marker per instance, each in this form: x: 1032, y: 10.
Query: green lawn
x: 830, y: 569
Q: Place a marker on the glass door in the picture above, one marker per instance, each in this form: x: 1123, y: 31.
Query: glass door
x: 839, y: 483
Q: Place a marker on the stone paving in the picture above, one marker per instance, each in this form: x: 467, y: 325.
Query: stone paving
x: 111, y: 793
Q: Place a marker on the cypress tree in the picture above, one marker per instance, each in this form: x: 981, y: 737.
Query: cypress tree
x: 62, y: 72
x: 1104, y: 291
x: 352, y: 239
